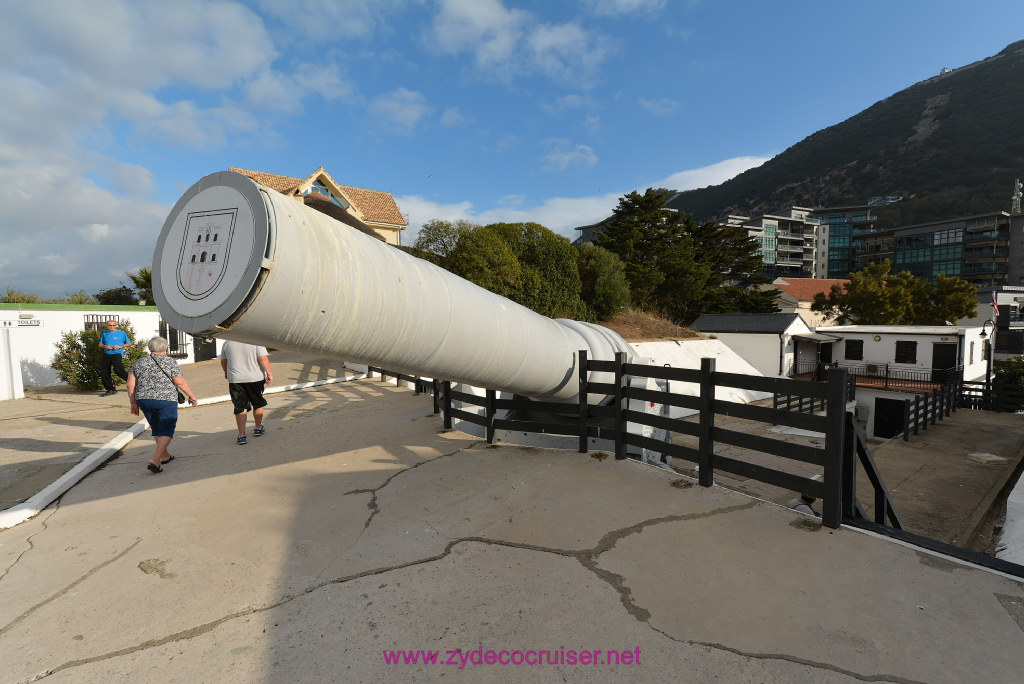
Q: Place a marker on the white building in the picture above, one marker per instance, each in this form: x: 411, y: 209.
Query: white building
x: 29, y: 334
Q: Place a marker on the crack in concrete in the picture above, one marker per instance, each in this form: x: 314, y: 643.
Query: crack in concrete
x: 794, y: 659
x: 28, y: 540
x: 68, y: 588
x: 586, y: 557
x: 372, y: 503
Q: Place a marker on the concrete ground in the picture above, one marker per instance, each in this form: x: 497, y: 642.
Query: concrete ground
x: 358, y: 526
x: 946, y: 481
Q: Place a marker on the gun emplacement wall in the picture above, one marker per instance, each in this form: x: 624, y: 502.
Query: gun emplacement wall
x: 243, y: 262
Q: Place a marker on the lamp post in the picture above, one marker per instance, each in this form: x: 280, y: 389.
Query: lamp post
x: 988, y: 353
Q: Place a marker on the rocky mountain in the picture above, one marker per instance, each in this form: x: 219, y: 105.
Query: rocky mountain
x: 950, y: 145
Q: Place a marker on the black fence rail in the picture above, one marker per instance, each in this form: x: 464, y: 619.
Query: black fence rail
x: 992, y: 396
x: 884, y: 511
x: 930, y: 407
x: 884, y: 375
x: 792, y: 405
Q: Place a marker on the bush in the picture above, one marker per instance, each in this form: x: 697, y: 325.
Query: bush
x: 603, y: 284
x: 1011, y: 371
x: 78, y: 358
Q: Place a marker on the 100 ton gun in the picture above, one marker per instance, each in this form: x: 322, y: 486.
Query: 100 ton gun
x: 244, y: 262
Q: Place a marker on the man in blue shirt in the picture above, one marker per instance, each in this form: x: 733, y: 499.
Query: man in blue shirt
x: 113, y: 342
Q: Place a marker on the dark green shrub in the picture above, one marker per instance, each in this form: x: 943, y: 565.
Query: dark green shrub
x: 1011, y: 371
x: 78, y: 358
x: 603, y: 284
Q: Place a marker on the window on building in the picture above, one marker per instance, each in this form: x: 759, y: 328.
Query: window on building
x: 855, y: 350
x: 98, y: 322
x: 906, y: 352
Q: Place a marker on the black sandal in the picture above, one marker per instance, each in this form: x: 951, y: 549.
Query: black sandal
x: 154, y: 468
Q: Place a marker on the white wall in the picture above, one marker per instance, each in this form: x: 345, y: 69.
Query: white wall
x: 883, y: 350
x: 759, y: 350
x: 34, y: 340
x: 11, y: 386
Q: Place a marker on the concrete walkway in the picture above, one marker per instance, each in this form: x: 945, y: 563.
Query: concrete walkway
x: 356, y: 526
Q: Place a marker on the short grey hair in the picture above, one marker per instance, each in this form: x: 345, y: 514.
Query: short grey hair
x: 158, y: 344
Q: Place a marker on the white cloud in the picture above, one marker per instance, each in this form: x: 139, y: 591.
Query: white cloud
x: 614, y: 8
x: 570, y: 102
x: 562, y: 154
x: 84, y: 241
x: 506, y: 43
x: 662, y: 106
x: 452, y: 117
x: 326, y: 22
x: 400, y: 110
x: 567, y: 52
x: 95, y: 232
x: 709, y: 175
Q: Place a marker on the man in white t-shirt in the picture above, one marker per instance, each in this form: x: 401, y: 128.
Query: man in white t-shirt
x: 247, y: 368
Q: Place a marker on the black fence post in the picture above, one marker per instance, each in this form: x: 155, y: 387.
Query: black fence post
x: 916, y: 414
x: 489, y: 414
x: 924, y: 416
x: 835, y: 445
x: 936, y: 410
x: 434, y: 384
x: 621, y: 403
x: 583, y: 405
x: 906, y: 420
x: 705, y: 434
x: 447, y: 404
x: 849, y: 469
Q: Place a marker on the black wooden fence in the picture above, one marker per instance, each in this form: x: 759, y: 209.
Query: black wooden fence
x: 930, y: 407
x: 844, y: 448
x: 992, y: 396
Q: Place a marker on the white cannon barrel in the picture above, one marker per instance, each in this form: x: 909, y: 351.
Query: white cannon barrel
x: 244, y: 262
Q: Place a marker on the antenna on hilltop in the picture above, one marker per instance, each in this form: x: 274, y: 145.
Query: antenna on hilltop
x: 1015, y: 207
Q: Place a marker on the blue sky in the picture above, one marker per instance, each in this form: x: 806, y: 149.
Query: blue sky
x: 488, y: 110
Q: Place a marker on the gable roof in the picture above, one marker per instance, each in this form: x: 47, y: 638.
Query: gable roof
x: 804, y: 289
x: 746, y: 323
x: 373, y: 206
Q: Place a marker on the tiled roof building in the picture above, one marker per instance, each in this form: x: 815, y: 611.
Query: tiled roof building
x: 373, y: 209
x: 797, y: 296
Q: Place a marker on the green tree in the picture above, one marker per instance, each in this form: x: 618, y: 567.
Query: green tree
x: 15, y: 296
x: 77, y: 358
x: 604, y: 288
x: 438, y: 239
x: 116, y: 296
x: 683, y: 268
x: 549, y: 281
x: 874, y: 296
x: 482, y: 257
x: 143, y: 282
x: 75, y: 298
x: 1011, y: 371
x: 952, y: 299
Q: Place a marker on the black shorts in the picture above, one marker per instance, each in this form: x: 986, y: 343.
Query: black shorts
x: 246, y: 395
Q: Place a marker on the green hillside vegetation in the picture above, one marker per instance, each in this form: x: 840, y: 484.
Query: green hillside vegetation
x: 951, y: 145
